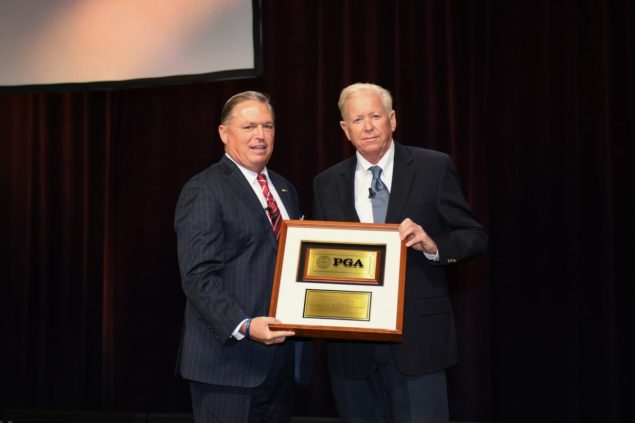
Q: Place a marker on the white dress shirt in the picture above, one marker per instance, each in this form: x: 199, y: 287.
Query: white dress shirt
x: 364, y: 178
x: 255, y: 185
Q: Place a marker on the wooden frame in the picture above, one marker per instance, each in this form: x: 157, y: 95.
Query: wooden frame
x: 359, y: 288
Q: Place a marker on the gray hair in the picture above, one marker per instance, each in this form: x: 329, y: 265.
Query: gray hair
x: 358, y: 87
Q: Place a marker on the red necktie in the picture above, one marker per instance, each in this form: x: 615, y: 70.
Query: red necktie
x: 272, y: 207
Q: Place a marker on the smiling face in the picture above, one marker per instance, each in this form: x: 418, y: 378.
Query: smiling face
x: 368, y: 124
x: 248, y: 134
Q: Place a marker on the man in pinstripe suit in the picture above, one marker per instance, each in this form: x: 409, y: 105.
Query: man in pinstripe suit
x: 239, y: 370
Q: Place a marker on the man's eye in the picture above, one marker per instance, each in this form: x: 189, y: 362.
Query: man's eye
x: 248, y: 127
x: 268, y: 126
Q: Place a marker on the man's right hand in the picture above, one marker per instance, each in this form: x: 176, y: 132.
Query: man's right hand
x: 259, y: 331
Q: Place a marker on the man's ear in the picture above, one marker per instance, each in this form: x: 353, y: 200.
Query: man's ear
x: 222, y: 132
x: 344, y: 127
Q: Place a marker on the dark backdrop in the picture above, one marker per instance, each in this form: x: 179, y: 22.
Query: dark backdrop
x: 533, y: 100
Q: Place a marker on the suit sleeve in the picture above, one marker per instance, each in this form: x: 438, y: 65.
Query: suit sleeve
x: 200, y: 240
x: 462, y: 236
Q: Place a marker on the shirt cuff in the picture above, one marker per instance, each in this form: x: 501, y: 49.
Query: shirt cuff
x: 431, y: 257
x: 236, y: 333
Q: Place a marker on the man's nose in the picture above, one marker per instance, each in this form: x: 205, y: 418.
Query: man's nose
x: 368, y: 124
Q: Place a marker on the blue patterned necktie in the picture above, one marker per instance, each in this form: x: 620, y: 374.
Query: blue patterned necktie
x: 378, y: 196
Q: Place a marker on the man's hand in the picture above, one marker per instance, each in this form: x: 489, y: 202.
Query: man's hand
x: 259, y: 331
x: 416, y: 237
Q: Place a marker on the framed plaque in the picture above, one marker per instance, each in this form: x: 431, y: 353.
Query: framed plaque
x: 339, y: 280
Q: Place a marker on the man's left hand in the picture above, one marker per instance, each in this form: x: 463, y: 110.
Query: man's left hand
x: 416, y: 237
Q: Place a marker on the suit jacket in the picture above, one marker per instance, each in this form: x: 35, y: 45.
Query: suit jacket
x: 425, y: 188
x: 227, y: 250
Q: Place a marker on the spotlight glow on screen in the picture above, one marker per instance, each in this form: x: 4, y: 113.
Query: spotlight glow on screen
x: 88, y: 41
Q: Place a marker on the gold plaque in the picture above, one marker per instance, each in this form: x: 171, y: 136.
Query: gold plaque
x: 339, y: 280
x: 341, y: 263
x: 343, y: 305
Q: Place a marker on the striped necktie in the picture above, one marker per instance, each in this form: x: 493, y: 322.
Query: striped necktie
x: 272, y: 207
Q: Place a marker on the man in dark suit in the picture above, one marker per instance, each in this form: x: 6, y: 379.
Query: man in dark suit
x: 227, y: 219
x: 419, y: 188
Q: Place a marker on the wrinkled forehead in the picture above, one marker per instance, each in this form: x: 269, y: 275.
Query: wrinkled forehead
x: 364, y: 102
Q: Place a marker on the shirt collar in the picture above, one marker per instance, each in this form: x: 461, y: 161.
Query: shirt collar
x: 385, y: 163
x: 250, y: 175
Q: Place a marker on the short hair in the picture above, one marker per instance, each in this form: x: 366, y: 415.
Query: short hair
x: 236, y: 99
x: 356, y: 88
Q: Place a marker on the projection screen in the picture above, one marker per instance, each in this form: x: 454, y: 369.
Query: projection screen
x: 105, y: 43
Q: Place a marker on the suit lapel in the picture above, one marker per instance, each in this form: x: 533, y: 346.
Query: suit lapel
x: 285, y: 195
x: 402, y: 178
x: 238, y: 184
x: 346, y: 189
